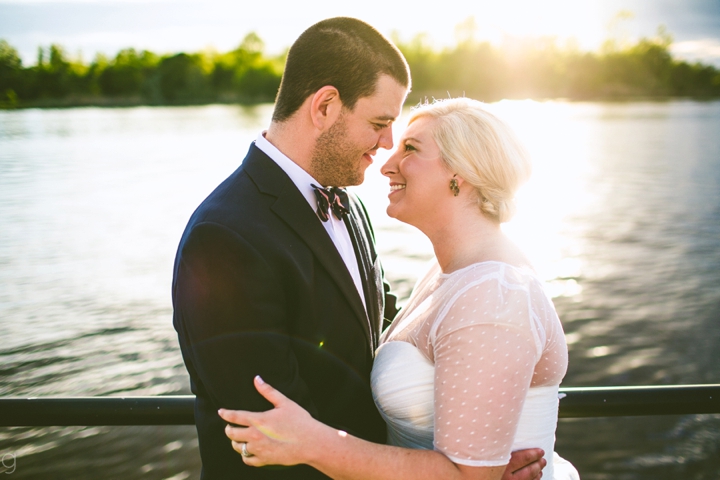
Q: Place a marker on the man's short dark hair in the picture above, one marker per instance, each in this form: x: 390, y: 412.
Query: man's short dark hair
x: 343, y: 52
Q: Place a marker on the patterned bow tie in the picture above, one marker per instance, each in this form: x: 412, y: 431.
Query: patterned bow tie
x: 330, y: 198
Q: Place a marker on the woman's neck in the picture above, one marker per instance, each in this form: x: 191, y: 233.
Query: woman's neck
x: 465, y: 238
x: 469, y: 237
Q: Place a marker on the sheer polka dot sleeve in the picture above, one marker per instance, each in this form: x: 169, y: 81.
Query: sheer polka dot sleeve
x: 485, y: 350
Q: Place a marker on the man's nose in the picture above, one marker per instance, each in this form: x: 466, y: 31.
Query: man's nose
x: 386, y: 139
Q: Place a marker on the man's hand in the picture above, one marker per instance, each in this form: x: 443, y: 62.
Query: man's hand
x: 525, y: 465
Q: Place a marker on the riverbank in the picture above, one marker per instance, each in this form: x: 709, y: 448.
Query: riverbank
x: 539, y: 69
x: 412, y: 100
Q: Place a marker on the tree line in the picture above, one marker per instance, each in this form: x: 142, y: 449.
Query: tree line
x: 537, y: 68
x: 243, y: 75
x: 540, y: 68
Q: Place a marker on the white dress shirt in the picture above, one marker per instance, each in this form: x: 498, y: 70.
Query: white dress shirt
x: 334, y: 227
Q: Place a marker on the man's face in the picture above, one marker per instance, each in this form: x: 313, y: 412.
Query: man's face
x: 344, y: 151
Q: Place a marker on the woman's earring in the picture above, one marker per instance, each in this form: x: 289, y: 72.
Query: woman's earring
x: 454, y: 187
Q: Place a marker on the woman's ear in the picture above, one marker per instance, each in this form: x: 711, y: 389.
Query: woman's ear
x: 325, y: 107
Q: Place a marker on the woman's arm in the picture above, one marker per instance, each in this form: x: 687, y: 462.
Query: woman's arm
x: 288, y: 435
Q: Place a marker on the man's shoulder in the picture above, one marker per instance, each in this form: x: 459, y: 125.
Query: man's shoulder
x: 228, y: 202
x: 241, y: 193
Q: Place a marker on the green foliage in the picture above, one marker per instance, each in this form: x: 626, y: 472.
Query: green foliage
x: 244, y: 74
x: 539, y: 68
x: 55, y: 75
x: 536, y: 68
x: 182, y: 80
x: 127, y: 75
x: 11, y: 72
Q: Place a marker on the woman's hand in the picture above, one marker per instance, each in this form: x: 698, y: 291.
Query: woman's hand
x: 280, y: 436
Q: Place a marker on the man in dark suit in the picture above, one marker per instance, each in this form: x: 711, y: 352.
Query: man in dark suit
x: 268, y: 280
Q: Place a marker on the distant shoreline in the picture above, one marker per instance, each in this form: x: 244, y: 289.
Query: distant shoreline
x: 644, y: 71
x: 101, y: 102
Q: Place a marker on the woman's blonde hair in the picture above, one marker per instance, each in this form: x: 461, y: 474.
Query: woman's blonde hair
x: 480, y: 148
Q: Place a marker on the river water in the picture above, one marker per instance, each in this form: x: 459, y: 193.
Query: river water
x: 622, y: 219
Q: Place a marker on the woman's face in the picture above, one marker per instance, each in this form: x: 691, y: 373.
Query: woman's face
x: 419, y: 180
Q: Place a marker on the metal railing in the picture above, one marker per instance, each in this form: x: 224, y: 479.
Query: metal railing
x: 577, y: 402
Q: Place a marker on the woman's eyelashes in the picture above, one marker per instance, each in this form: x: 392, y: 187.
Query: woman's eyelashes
x: 407, y: 148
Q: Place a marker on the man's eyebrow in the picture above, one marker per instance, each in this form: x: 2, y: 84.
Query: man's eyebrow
x: 386, y: 118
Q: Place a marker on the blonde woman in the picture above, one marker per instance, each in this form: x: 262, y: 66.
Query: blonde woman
x: 469, y: 370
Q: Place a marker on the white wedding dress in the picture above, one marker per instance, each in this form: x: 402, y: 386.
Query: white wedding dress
x: 471, y: 368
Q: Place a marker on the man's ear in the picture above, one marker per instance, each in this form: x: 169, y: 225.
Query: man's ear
x: 325, y: 107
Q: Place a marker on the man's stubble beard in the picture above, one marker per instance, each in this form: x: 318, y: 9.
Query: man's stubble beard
x: 335, y: 160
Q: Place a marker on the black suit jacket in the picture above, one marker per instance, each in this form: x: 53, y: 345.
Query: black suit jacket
x: 259, y: 288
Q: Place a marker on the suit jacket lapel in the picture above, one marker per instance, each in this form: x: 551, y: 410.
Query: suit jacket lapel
x: 292, y: 207
x: 358, y: 228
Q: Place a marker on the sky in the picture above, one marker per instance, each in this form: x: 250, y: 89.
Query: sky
x: 86, y: 27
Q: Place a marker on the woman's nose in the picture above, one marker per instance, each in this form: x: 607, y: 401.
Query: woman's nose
x: 390, y: 167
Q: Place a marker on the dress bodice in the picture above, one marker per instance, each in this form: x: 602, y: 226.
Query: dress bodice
x: 402, y: 384
x: 471, y: 366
